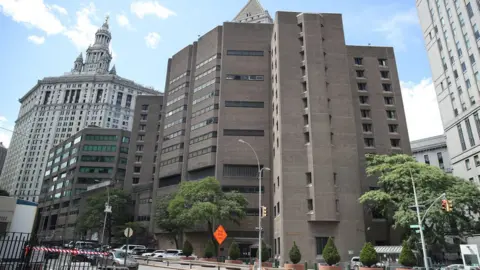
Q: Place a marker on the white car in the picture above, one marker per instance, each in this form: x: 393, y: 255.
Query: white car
x: 171, y: 253
x: 154, y: 254
x: 130, y: 248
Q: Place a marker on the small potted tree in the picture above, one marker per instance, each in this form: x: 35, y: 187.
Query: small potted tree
x: 209, y: 252
x: 234, y: 254
x: 187, y: 250
x: 331, y: 256
x: 295, y: 257
x: 368, y: 258
x: 265, y: 255
x: 407, y: 258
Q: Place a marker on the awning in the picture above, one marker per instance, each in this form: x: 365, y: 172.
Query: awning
x: 388, y: 249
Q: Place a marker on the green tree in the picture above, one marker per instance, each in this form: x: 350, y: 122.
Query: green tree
x: 4, y: 193
x: 234, y: 251
x: 209, y: 250
x: 407, y: 258
x: 91, y: 218
x: 395, y: 196
x: 204, y: 203
x: 368, y: 255
x: 330, y: 253
x: 187, y: 248
x: 168, y: 223
x: 294, y: 254
x: 265, y: 252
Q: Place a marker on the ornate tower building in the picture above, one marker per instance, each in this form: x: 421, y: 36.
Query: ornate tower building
x: 58, y: 107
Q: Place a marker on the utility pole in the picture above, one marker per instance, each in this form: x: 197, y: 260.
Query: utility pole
x: 425, y: 260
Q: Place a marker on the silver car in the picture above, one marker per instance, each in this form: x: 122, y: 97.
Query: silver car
x: 117, y: 258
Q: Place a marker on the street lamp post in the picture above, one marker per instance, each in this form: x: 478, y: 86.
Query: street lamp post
x: 108, y: 209
x: 260, y: 171
x: 420, y: 220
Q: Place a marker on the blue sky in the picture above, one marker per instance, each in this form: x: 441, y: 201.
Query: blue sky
x: 42, y: 38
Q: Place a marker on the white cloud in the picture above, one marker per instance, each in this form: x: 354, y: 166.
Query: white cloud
x: 123, y: 21
x: 142, y: 8
x: 396, y: 27
x: 36, y: 39
x: 421, y: 109
x: 83, y: 33
x: 5, y: 135
x: 58, y: 9
x: 152, y: 40
x: 33, y: 13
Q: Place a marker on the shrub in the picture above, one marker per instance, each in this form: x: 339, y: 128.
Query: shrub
x: 330, y: 253
x: 234, y: 251
x: 187, y: 248
x: 294, y: 254
x: 407, y: 258
x: 209, y: 250
x: 368, y: 255
x: 265, y: 252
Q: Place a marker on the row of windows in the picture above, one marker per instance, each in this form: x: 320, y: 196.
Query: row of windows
x: 370, y: 142
x: 207, y: 96
x: 203, y: 137
x: 100, y: 148
x: 171, y: 161
x: 203, y: 74
x: 209, y: 121
x: 386, y: 87
x: 172, y: 148
x: 244, y: 104
x: 250, y: 171
x: 101, y: 137
x: 174, y: 135
x: 181, y: 86
x: 176, y: 122
x: 202, y: 151
x: 205, y: 85
x: 242, y: 189
x: 243, y: 132
x: 205, y: 110
x: 176, y: 110
x: 244, y: 53
x: 179, y: 77
x: 176, y: 99
x: 204, y: 62
x: 96, y: 169
x: 98, y: 158
x: 245, y: 77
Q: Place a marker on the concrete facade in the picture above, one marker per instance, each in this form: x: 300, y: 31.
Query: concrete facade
x: 309, y: 105
x: 450, y: 30
x: 3, y: 156
x: 330, y: 109
x: 143, y: 157
x: 88, y: 161
x: 433, y: 151
x: 58, y: 107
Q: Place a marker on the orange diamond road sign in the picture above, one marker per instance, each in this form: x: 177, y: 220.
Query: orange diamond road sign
x: 220, y: 234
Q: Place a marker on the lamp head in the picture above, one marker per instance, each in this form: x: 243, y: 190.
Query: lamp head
x: 240, y: 140
x: 266, y: 168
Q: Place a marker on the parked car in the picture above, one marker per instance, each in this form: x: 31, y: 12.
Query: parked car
x: 355, y: 262
x: 140, y: 251
x: 154, y: 253
x: 117, y: 258
x: 130, y: 248
x: 170, y: 253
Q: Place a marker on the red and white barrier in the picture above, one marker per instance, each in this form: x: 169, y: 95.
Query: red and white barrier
x: 70, y: 251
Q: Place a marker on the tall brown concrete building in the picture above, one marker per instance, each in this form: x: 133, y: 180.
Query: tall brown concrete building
x: 143, y: 157
x: 309, y: 105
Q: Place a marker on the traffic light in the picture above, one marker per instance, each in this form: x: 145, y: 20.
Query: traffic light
x: 449, y: 206
x: 264, y: 211
x: 444, y: 205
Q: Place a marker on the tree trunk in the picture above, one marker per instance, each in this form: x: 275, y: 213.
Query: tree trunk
x: 210, y: 231
x: 175, y: 238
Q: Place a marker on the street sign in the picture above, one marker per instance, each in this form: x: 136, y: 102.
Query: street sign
x: 220, y: 234
x: 128, y: 232
x: 414, y: 226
